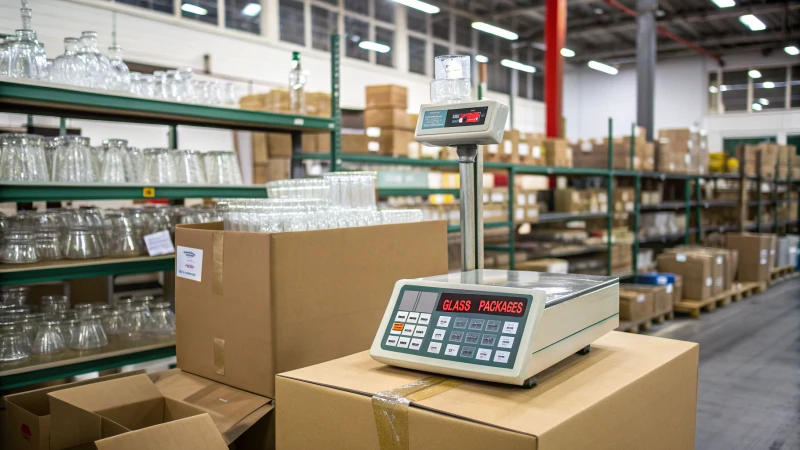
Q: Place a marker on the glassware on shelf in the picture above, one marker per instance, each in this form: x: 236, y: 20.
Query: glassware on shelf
x: 22, y: 158
x: 54, y: 304
x: 14, y: 344
x: 172, y: 90
x: 51, y: 144
x: 90, y: 334
x: 125, y: 304
x: 73, y: 161
x: 120, y: 74
x: 4, y: 44
x: 229, y: 94
x: 187, y: 85
x: 135, y: 321
x: 189, y: 167
x: 113, y: 170
x: 391, y: 216
x: 69, y: 327
x: 162, y: 320
x: 112, y: 322
x: 101, y: 308
x: 19, y: 247
x: 133, y: 165
x: 222, y: 167
x: 67, y: 67
x: 49, y: 338
x: 48, y: 247
x: 28, y: 327
x: 95, y: 67
x: 82, y: 310
x: 82, y: 242
x: 159, y: 167
x: 121, y: 237
x: 15, y: 295
x: 147, y: 87
x: 352, y: 189
x: 159, y: 85
x: 26, y: 57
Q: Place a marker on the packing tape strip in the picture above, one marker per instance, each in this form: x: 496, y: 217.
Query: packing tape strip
x: 219, y: 356
x: 217, y: 256
x: 391, y: 408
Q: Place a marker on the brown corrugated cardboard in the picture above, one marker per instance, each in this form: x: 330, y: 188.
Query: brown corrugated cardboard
x: 393, y: 118
x: 354, y: 143
x: 662, y: 299
x: 391, y: 142
x: 754, y: 254
x: 696, y: 271
x: 721, y: 262
x: 279, y: 145
x: 557, y: 152
x: 28, y: 414
x: 635, y: 305
x: 604, y: 400
x: 191, y: 433
x: 552, y: 265
x: 276, y: 302
x: 387, y: 96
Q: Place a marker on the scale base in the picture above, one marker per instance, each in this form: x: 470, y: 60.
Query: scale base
x: 531, y: 382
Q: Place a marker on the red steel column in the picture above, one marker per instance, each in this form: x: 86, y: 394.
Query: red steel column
x: 555, y: 29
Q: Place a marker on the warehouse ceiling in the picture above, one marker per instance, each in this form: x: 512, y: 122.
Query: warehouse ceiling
x: 596, y: 29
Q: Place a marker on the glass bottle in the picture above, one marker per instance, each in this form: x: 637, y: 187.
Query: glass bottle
x: 96, y: 67
x: 297, y: 83
x: 119, y: 70
x: 66, y: 68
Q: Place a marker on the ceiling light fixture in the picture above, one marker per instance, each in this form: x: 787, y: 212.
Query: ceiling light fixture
x: 605, y: 68
x: 768, y: 85
x: 374, y: 46
x: 598, y: 11
x: 567, y: 53
x: 422, y: 6
x: 713, y: 89
x: 511, y: 64
x: 251, y: 9
x: 723, y: 88
x: 481, y: 59
x: 754, y: 74
x: 194, y: 9
x: 497, y: 31
x: 724, y: 3
x: 752, y: 22
x: 791, y: 50
x: 757, y: 107
x: 763, y: 101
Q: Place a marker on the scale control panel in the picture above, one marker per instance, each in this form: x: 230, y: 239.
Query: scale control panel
x: 459, y: 326
x: 472, y: 123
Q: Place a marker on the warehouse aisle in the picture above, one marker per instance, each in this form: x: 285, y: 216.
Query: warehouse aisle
x: 749, y: 390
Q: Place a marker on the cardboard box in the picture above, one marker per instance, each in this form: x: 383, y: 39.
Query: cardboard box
x: 696, y: 271
x: 754, y: 254
x: 604, y: 400
x: 662, y: 296
x: 551, y: 265
x: 354, y: 143
x: 394, y: 118
x: 390, y: 142
x: 28, y: 414
x: 509, y: 148
x: 726, y: 258
x: 672, y: 283
x: 290, y: 299
x: 260, y: 153
x: 635, y: 305
x: 387, y: 96
x: 279, y: 145
x: 557, y: 152
x: 274, y: 169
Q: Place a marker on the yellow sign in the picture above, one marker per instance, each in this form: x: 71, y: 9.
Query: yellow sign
x: 148, y: 192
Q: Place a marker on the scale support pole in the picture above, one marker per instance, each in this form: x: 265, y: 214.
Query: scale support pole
x: 471, y: 174
x: 646, y: 63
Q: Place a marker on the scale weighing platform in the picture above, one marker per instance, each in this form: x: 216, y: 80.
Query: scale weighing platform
x: 495, y: 325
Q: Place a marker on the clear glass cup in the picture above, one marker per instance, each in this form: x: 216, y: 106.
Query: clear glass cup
x: 228, y: 94
x: 54, y: 304
x: 135, y: 86
x: 28, y: 327
x: 14, y: 345
x: 159, y: 167
x: 69, y: 328
x: 113, y: 323
x: 67, y: 67
x: 26, y: 57
x: 136, y: 321
x: 125, y: 304
x: 4, y: 44
x: 101, y: 308
x: 222, y: 167
x: 160, y: 85
x: 113, y: 170
x: 73, y: 161
x: 96, y: 68
x: 48, y: 339
x: 51, y: 144
x: 98, y: 155
x: 48, y: 246
x: 119, y: 73
x: 147, y: 88
x: 189, y: 167
x: 133, y: 165
x: 82, y: 310
x: 82, y: 242
x: 22, y: 158
x: 187, y: 86
x: 162, y: 321
x: 19, y: 247
x: 15, y: 295
x: 90, y: 334
x: 172, y: 88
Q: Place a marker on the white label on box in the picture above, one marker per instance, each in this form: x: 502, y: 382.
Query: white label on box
x: 486, y: 197
x: 189, y: 263
x: 159, y: 243
x: 521, y: 199
x: 520, y: 213
x: 629, y: 206
x: 524, y: 149
x: 492, y: 148
x: 669, y: 289
x: 680, y: 257
x: 533, y: 212
x: 374, y: 132
x: 763, y: 253
x: 498, y: 197
x: 772, y: 251
x: 298, y: 121
x: 507, y: 147
x: 537, y: 151
x: 661, y: 280
x: 586, y: 146
x: 719, y: 259
x: 763, y: 261
x: 640, y: 299
x: 708, y: 281
x: 687, y: 159
x: 373, y: 146
x: 719, y: 281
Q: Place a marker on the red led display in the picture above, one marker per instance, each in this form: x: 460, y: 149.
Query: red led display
x: 482, y: 304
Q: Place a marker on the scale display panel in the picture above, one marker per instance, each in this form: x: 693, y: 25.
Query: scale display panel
x: 479, y: 123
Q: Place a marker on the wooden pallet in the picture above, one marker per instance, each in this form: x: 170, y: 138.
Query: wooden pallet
x: 781, y: 272
x: 693, y: 307
x: 747, y: 288
x: 641, y: 325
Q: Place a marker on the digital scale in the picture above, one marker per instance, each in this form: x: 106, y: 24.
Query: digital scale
x: 493, y: 325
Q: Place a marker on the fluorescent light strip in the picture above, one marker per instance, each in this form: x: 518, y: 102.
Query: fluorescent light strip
x: 724, y: 3
x: 511, y: 64
x: 194, y: 9
x: 481, y: 59
x: 768, y: 85
x: 752, y: 22
x: 754, y: 74
x: 763, y: 101
x: 251, y: 9
x: 792, y: 50
x: 757, y: 107
x: 567, y: 53
x: 497, y: 31
x: 605, y: 68
x: 713, y: 89
x: 374, y: 46
x: 422, y: 6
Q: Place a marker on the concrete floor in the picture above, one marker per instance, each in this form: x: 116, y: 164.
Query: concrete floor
x: 749, y: 380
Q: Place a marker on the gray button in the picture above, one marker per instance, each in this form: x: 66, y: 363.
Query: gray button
x: 460, y: 322
x: 456, y: 336
x: 476, y: 324
x: 488, y: 340
x: 426, y: 302
x: 408, y: 301
x: 472, y: 338
x: 468, y: 352
x: 493, y: 326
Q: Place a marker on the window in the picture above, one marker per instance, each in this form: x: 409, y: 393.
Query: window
x: 441, y: 25
x: 292, y: 25
x: 463, y: 31
x: 355, y: 31
x: 323, y: 24
x: 486, y: 44
x: 384, y: 10
x: 200, y: 10
x: 769, y: 91
x: 795, y: 93
x: 156, y: 5
x: 244, y: 15
x: 330, y: 2
x: 357, y: 6
x: 440, y: 50
x: 416, y: 55
x: 538, y: 87
x: 734, y: 91
x: 713, y: 92
x: 499, y: 78
x: 416, y: 20
x: 384, y: 36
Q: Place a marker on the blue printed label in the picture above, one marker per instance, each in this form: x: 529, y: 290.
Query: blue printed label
x: 434, y: 119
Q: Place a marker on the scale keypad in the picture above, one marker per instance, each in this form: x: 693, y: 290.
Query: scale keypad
x: 483, y: 339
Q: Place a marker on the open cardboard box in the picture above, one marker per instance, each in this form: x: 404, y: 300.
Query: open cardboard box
x: 132, y: 412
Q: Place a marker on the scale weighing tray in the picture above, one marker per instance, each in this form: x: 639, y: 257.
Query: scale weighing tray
x: 494, y: 325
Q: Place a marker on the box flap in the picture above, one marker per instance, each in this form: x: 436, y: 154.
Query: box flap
x: 232, y: 410
x: 565, y: 390
x: 193, y: 433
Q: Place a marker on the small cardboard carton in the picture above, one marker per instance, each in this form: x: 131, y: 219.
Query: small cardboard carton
x: 696, y: 271
x: 387, y: 96
x: 602, y: 401
x: 635, y: 305
x: 721, y: 262
x: 662, y: 297
x: 28, y: 414
x: 754, y: 254
x: 250, y: 305
x: 392, y: 118
x: 557, y: 152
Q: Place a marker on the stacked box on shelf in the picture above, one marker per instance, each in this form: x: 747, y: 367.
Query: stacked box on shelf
x: 673, y: 283
x: 756, y: 252
x: 697, y: 270
x: 661, y: 297
x: 557, y: 152
x: 635, y: 305
x: 670, y: 158
x: 663, y: 223
x: 389, y: 128
x: 621, y: 257
x: 526, y: 205
x: 689, y: 143
x: 786, y: 249
x: 531, y: 149
x: 581, y: 200
x: 552, y: 265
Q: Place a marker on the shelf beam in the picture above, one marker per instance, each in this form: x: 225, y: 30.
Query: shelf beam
x: 24, y: 192
x: 12, y: 274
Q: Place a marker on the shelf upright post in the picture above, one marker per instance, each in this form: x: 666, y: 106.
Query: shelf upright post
x: 633, y: 145
x: 336, y: 113
x: 775, y: 202
x: 512, y: 228
x: 173, y: 136
x: 698, y: 217
x: 758, y: 191
x: 637, y: 200
x: 610, y: 194
x: 62, y: 126
x: 687, y: 196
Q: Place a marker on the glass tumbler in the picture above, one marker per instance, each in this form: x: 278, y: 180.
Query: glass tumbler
x: 73, y: 161
x: 23, y: 158
x: 48, y: 246
x: 189, y: 167
x: 125, y: 304
x: 19, y: 248
x: 48, y: 338
x: 51, y: 144
x: 159, y: 167
x: 82, y: 242
x: 135, y: 323
x: 26, y: 57
x: 90, y: 334
x: 13, y: 343
x: 55, y: 304
x: 162, y: 320
x: 113, y: 170
x: 113, y: 323
x: 16, y: 295
x: 82, y: 310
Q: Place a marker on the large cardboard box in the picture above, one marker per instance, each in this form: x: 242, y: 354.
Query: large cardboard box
x: 354, y: 143
x: 256, y: 304
x: 754, y: 254
x: 387, y: 96
x: 635, y: 305
x: 395, y: 118
x: 279, y: 145
x: 557, y: 152
x: 696, y: 271
x: 28, y: 414
x: 602, y: 401
x: 390, y: 142
x: 662, y: 296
